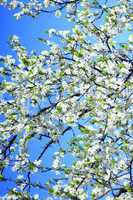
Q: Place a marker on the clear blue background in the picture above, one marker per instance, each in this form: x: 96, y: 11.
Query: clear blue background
x: 28, y: 29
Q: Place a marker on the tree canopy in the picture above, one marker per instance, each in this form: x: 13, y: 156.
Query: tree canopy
x: 79, y: 90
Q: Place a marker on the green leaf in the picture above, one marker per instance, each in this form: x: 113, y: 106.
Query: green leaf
x: 59, y: 109
x: 51, y: 190
x: 31, y: 166
x: 86, y: 130
x: 1, y: 177
x: 26, y: 61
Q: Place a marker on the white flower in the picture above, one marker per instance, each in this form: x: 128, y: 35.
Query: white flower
x: 15, y: 38
x: 56, y: 163
x: 22, y: 186
x: 36, y: 196
x: 37, y: 162
x: 51, y: 31
x: 130, y: 38
x: 56, y: 153
x: 64, y: 33
x: 17, y: 15
x: 58, y: 13
x: 20, y: 177
x: 109, y: 198
x: 45, y: 53
x: 46, y: 3
x: 107, y: 176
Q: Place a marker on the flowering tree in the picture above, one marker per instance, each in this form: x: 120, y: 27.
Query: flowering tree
x: 81, y: 89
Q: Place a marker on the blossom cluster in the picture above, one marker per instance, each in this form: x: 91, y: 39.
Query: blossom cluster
x: 81, y: 89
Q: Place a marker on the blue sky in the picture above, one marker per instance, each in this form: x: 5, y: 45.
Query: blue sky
x: 28, y: 29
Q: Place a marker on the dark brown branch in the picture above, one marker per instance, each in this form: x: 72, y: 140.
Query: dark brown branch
x: 129, y: 75
x: 45, y: 148
x: 121, y: 191
x: 9, y: 145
